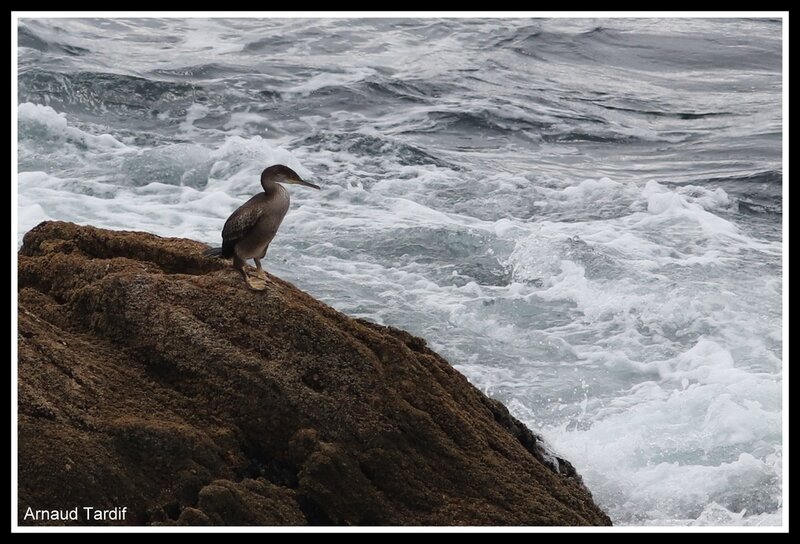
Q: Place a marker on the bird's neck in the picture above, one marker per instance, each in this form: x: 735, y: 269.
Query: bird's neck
x: 270, y: 187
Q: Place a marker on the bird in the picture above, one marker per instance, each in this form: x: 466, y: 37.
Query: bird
x: 250, y: 229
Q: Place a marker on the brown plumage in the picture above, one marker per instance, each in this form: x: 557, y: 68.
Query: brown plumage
x: 250, y: 229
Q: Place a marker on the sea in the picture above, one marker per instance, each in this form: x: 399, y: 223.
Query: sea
x: 583, y: 215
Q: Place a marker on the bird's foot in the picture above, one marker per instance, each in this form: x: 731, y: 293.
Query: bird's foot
x: 260, y: 273
x: 257, y: 283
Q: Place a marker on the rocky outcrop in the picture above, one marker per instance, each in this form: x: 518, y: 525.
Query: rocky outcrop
x: 151, y: 378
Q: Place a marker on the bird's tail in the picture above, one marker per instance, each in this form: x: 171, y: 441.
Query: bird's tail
x: 213, y: 252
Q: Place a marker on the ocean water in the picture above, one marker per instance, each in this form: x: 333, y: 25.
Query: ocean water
x: 582, y: 215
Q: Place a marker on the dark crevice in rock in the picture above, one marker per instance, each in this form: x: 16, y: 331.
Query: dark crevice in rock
x: 312, y: 380
x: 313, y: 511
x: 172, y: 509
x: 277, y: 471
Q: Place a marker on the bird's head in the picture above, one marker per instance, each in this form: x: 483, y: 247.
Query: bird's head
x: 282, y: 174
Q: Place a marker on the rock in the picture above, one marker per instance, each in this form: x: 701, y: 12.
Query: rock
x: 151, y: 378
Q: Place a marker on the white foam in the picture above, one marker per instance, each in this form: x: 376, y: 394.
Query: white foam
x: 331, y: 79
x: 643, y: 284
x: 195, y: 112
x: 44, y: 123
x: 30, y: 214
x: 209, y: 38
x: 239, y: 120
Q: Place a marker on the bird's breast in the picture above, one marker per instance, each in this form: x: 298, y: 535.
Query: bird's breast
x: 282, y: 200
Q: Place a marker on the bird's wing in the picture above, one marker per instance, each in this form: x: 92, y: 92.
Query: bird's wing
x: 241, y: 222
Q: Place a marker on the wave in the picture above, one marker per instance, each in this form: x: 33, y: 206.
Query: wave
x: 648, y: 50
x: 421, y: 91
x: 200, y: 71
x: 577, y: 136
x: 375, y: 146
x: 758, y: 193
x: 767, y: 177
x: 98, y: 92
x: 272, y: 44
x: 673, y: 115
x: 28, y: 38
x: 42, y: 124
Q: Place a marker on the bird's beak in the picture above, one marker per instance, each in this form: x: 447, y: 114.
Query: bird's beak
x: 307, y: 184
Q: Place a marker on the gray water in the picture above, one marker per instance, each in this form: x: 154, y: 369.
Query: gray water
x: 582, y: 215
